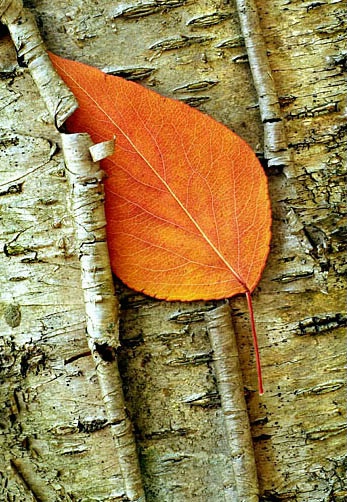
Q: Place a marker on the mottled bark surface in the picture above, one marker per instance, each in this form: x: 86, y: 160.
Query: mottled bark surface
x: 55, y: 440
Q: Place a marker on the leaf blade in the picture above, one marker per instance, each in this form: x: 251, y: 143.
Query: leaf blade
x: 185, y: 220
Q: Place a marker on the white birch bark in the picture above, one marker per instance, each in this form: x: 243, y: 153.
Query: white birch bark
x: 53, y: 418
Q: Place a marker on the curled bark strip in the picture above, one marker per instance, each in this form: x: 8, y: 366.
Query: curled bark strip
x: 101, y: 303
x: 22, y: 26
x: 275, y: 138
x: 230, y: 386
x: 102, y: 150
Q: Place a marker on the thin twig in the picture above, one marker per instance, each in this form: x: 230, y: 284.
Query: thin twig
x: 275, y: 137
x: 22, y: 26
x: 101, y: 304
x: 230, y: 387
x: 37, y: 486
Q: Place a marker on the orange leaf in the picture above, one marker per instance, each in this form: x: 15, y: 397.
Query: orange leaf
x: 187, y: 205
x: 187, y: 202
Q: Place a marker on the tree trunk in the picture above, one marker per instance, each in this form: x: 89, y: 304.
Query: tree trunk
x: 56, y: 440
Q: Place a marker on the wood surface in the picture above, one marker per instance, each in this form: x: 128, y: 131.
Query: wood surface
x: 55, y: 442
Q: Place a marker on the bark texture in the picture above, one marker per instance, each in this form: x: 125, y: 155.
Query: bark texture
x: 56, y: 443
x: 230, y: 388
x: 101, y: 304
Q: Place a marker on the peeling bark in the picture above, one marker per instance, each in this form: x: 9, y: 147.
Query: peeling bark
x: 35, y: 484
x: 53, y: 416
x: 100, y: 301
x: 87, y: 197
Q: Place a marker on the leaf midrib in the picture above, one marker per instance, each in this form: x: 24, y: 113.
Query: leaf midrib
x: 166, y: 185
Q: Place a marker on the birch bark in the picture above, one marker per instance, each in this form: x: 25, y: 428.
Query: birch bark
x: 56, y: 442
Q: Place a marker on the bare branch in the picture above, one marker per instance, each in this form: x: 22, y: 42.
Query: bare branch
x: 39, y: 488
x: 101, y: 304
x: 87, y: 206
x: 21, y: 24
x: 275, y: 138
x: 230, y: 387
